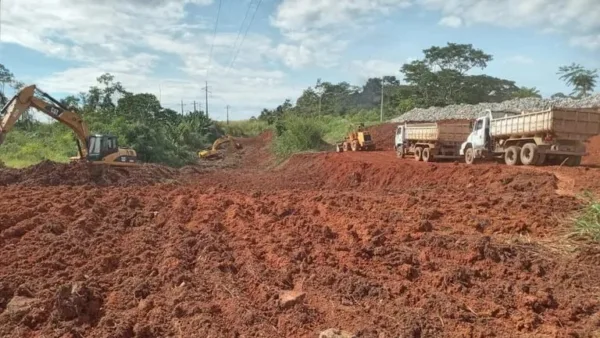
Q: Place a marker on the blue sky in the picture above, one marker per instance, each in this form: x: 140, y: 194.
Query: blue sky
x: 163, y: 46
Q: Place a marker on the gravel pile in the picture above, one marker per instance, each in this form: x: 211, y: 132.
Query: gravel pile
x: 466, y: 111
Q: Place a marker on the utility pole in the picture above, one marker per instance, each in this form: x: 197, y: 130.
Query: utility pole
x: 195, y: 107
x: 227, y: 114
x: 206, y: 97
x: 381, y: 109
x: 181, y: 107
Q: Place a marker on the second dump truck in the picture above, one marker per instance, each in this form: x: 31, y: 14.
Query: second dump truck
x: 430, y: 141
x: 532, y: 138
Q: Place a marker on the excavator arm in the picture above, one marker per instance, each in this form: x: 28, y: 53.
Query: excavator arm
x: 26, y: 98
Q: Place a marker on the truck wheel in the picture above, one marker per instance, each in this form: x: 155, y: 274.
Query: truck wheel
x: 512, y: 156
x: 418, y: 153
x: 427, y: 157
x: 541, y: 159
x: 338, y: 149
x: 573, y: 161
x: 354, y: 145
x: 529, y: 154
x: 345, y: 146
x: 400, y: 152
x: 469, y: 156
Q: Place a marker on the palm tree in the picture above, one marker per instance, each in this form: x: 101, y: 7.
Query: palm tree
x: 583, y: 80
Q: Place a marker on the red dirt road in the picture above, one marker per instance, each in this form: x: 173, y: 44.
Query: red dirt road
x: 381, y: 247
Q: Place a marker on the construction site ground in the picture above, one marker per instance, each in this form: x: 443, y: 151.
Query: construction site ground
x: 360, y: 241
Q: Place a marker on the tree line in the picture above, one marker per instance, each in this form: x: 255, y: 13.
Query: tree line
x: 440, y: 78
x: 158, y: 134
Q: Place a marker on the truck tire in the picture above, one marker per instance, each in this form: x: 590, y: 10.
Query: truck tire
x: 541, y: 159
x: 400, y: 151
x: 573, y: 161
x: 418, y: 153
x: 338, y: 149
x: 426, y: 155
x: 529, y: 154
x: 512, y: 156
x: 354, y: 145
x: 345, y: 146
x: 469, y: 156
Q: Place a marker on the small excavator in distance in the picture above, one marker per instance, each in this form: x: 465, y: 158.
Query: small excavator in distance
x: 93, y: 148
x: 213, y: 153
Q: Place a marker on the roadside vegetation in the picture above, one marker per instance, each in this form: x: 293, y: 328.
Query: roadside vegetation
x: 322, y: 114
x: 587, y: 222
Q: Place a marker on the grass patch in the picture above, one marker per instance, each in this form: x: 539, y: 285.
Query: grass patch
x: 298, y: 135
x: 23, y: 148
x: 244, y: 128
x: 587, y: 223
x: 316, y: 133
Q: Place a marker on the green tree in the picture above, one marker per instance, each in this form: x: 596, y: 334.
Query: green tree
x: 581, y: 79
x: 457, y: 57
x: 558, y: 96
x: 524, y: 92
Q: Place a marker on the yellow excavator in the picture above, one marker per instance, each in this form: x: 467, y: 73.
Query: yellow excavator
x: 94, y: 148
x: 213, y: 153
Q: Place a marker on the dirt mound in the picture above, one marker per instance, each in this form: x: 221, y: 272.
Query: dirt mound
x: 383, y: 135
x: 360, y: 241
x: 48, y: 173
x: 164, y: 261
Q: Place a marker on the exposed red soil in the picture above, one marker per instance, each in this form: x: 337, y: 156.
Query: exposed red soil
x: 381, y: 247
x: 383, y: 135
x: 49, y: 173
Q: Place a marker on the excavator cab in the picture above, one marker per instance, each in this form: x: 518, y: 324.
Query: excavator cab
x: 100, y: 146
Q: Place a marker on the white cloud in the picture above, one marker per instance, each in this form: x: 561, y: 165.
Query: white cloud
x: 520, y: 59
x: 134, y: 39
x: 451, y: 21
x: 375, y: 68
x: 316, y: 30
x: 570, y: 16
x: 591, y: 42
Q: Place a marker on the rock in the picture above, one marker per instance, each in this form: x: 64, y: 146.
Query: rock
x: 465, y: 111
x: 335, y: 333
x: 290, y: 298
x: 19, y: 306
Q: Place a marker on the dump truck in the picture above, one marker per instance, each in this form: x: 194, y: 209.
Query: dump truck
x: 555, y: 135
x: 356, y: 140
x: 431, y: 141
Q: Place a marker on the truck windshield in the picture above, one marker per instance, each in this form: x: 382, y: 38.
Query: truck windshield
x: 479, y: 125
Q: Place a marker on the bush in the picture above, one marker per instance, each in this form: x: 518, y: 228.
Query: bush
x: 298, y: 135
x: 244, y: 128
x: 587, y: 223
x: 40, y: 142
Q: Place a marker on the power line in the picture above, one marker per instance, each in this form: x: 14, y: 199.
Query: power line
x: 241, y: 27
x: 212, y: 45
x: 245, y: 34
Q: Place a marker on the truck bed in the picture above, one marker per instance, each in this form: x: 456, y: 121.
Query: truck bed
x: 564, y: 123
x: 439, y: 131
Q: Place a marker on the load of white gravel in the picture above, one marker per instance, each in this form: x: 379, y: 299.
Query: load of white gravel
x: 467, y: 111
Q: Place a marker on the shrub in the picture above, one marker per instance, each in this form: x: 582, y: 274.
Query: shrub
x: 587, y: 223
x: 298, y: 135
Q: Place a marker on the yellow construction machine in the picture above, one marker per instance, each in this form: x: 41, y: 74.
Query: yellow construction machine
x: 356, y: 140
x: 95, y: 148
x: 214, y: 153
